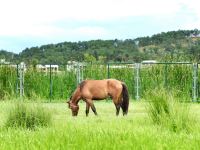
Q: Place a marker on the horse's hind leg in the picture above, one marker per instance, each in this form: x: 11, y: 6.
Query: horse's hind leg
x: 87, y: 108
x: 89, y: 101
x: 117, y: 109
x: 117, y: 102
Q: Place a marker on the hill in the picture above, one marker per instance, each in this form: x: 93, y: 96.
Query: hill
x: 181, y: 45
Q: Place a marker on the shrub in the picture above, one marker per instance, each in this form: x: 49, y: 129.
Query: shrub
x: 28, y: 116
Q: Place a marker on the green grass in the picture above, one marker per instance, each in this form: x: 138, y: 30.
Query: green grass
x: 135, y: 131
x: 167, y: 110
x: 28, y: 116
x: 37, y: 84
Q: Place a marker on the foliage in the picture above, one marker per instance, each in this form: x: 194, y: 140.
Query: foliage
x: 8, y: 78
x: 8, y: 56
x: 168, y: 76
x: 166, y: 110
x: 60, y: 85
x: 28, y: 116
x: 89, y: 58
x: 181, y: 45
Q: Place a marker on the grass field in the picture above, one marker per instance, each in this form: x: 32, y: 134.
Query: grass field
x: 106, y: 131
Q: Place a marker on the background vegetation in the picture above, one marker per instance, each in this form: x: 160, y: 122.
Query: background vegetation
x: 181, y: 45
x: 59, y: 86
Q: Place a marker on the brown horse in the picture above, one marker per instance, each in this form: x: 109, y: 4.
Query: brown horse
x: 90, y: 90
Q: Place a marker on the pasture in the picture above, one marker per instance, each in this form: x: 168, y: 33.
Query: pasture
x: 106, y: 131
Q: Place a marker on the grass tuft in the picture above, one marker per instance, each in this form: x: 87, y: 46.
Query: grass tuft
x: 28, y: 116
x: 166, y: 110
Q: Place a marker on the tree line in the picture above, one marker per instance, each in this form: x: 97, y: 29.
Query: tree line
x: 181, y: 45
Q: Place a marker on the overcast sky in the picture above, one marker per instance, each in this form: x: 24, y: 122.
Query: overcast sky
x: 27, y: 23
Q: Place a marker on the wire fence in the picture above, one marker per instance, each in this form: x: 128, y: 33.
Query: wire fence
x: 58, y: 82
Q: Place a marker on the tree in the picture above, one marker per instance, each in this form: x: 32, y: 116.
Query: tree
x: 102, y: 59
x: 89, y: 58
x: 96, y: 55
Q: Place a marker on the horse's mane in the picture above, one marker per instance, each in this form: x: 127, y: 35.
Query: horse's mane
x: 82, y: 84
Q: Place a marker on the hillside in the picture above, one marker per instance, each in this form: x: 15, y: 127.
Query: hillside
x: 181, y: 45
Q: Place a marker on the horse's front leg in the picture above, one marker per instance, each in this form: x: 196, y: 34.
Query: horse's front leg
x: 90, y: 102
x: 87, y: 108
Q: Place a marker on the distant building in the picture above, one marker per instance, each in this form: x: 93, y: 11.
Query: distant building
x: 149, y: 62
x: 121, y: 66
x: 3, y: 61
x: 72, y: 65
x: 54, y: 68
x: 40, y: 67
x: 193, y: 36
x: 21, y: 66
x: 46, y: 68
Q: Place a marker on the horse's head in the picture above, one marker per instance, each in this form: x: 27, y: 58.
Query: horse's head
x: 73, y: 107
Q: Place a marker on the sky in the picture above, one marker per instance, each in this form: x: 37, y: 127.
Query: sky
x: 28, y: 23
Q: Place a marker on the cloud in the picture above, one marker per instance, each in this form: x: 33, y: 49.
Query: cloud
x: 52, y: 10
x: 32, y: 17
x: 73, y: 20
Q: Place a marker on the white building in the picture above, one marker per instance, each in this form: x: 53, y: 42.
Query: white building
x: 54, y: 68
x: 46, y: 68
x: 72, y: 65
x: 149, y: 61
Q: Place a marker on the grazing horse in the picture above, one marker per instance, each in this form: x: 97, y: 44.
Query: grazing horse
x: 89, y: 90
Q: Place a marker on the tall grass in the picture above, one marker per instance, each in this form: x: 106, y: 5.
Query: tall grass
x: 37, y: 85
x: 167, y: 110
x: 135, y: 131
x: 176, y: 76
x: 28, y: 116
x: 8, y: 82
x: 41, y: 85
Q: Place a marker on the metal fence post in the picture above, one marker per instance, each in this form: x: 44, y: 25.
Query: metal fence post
x: 108, y: 70
x: 195, y: 81
x: 50, y: 94
x: 82, y: 67
x: 165, y: 76
x: 17, y: 85
x: 137, y: 80
x: 79, y: 73
x: 20, y: 77
x: 21, y: 80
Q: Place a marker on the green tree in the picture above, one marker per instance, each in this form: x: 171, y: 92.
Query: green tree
x: 89, y: 58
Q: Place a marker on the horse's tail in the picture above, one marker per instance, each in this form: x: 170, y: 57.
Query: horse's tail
x: 125, y: 100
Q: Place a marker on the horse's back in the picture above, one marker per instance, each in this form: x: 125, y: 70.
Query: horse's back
x: 101, y: 83
x: 94, y: 83
x: 94, y: 89
x: 100, y: 89
x: 114, y: 87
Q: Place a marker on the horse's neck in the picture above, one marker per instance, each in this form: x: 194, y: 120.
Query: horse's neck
x: 76, y: 96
